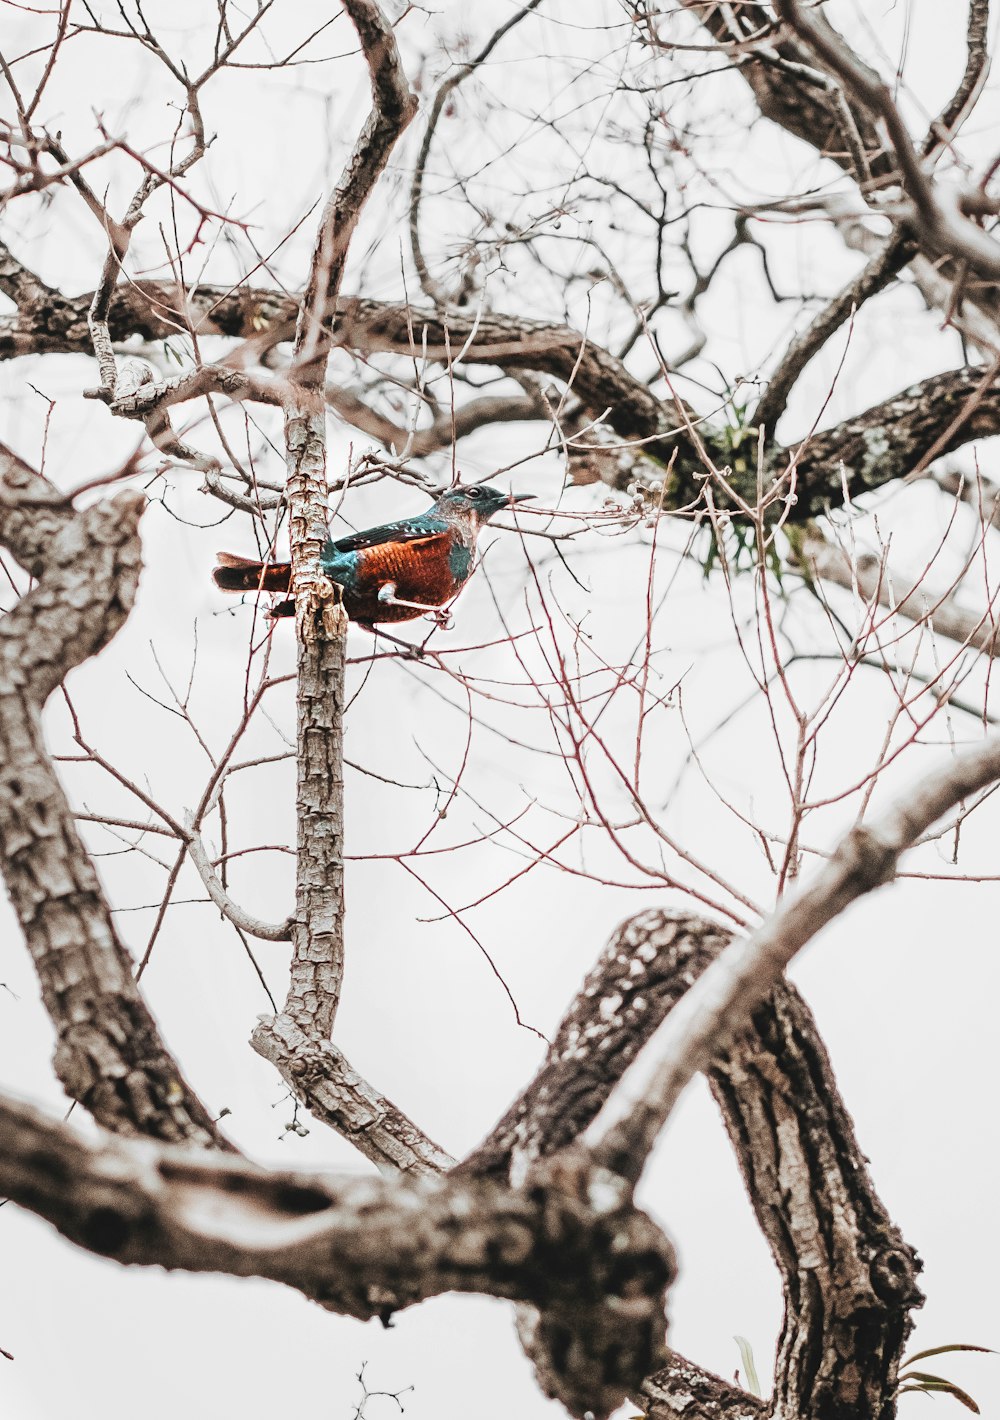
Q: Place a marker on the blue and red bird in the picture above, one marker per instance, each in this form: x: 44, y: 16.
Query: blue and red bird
x: 394, y: 572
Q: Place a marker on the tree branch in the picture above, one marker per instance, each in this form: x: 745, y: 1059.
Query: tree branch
x: 889, y: 440
x: 431, y: 287
x: 718, y: 1006
x: 446, y: 428
x: 109, y: 1055
x: 848, y: 1277
x: 298, y: 1039
x: 868, y: 450
x: 683, y: 1391
x: 245, y: 921
x: 878, y: 273
x: 571, y: 1244
x: 867, y: 575
x: 644, y: 970
x: 849, y: 1280
x: 977, y: 67
x: 318, y: 1074
x: 318, y: 923
x: 939, y: 222
x: 791, y: 94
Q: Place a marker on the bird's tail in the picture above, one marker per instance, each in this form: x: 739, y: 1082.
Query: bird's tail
x: 243, y: 574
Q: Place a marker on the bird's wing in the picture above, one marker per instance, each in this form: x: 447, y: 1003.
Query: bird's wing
x: 407, y: 530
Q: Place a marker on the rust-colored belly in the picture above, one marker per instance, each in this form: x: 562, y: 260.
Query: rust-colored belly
x: 421, y: 572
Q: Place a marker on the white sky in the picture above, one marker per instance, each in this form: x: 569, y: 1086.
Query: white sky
x: 903, y: 986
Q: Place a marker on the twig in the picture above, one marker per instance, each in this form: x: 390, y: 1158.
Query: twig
x: 705, y: 1022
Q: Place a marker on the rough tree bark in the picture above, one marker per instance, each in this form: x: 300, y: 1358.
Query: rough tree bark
x: 109, y: 1055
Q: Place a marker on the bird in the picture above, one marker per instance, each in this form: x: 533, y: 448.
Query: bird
x: 393, y: 572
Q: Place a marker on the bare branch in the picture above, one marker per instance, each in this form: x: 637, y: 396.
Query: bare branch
x: 977, y: 67
x: 245, y: 921
x: 431, y: 287
x: 783, y: 79
x: 879, y: 272
x: 868, y: 450
x: 704, y: 1023
x: 334, y: 1092
x: 446, y: 428
x: 940, y: 222
x: 571, y: 1245
x: 317, y: 929
x: 908, y: 595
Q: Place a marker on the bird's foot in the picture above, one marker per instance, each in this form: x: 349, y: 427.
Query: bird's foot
x: 387, y: 596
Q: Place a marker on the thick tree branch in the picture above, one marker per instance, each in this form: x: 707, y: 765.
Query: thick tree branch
x: 847, y: 1275
x: 109, y: 1055
x: 514, y: 344
x: 890, y: 440
x: 868, y: 450
x: 571, y: 1244
x: 142, y: 401
x: 298, y: 1039
x: 642, y: 973
x: 33, y: 512
x: 683, y: 1391
x: 318, y: 923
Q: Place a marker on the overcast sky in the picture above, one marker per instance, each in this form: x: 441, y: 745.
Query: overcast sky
x: 903, y: 986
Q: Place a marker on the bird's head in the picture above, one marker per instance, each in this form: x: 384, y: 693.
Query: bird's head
x: 477, y: 502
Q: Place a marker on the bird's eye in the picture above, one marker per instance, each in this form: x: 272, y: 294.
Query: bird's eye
x: 475, y: 492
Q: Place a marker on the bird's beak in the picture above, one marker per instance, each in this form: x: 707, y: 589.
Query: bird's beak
x: 520, y: 497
